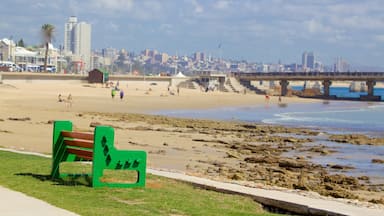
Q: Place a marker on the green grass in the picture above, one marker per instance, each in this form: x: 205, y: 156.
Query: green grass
x: 161, y: 196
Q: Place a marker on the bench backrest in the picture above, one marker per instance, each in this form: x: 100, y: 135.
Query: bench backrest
x: 79, y: 144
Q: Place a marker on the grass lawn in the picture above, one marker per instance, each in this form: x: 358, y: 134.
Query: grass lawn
x: 161, y: 196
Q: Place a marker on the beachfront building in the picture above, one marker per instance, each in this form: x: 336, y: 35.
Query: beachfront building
x: 15, y: 58
x: 7, y: 50
x: 77, y: 44
x: 33, y: 60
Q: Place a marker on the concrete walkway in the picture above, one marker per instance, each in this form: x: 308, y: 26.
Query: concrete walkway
x: 18, y: 204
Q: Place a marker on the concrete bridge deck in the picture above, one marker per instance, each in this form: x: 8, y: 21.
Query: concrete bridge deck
x: 311, y: 76
x: 326, y: 77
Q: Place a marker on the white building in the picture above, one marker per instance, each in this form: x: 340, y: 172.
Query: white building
x: 69, y: 34
x: 7, y: 50
x: 77, y: 42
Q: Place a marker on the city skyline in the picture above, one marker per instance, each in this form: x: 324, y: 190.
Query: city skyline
x: 258, y: 31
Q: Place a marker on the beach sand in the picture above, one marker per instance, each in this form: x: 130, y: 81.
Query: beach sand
x: 202, y: 148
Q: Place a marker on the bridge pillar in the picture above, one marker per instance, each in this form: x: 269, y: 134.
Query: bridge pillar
x: 247, y: 83
x: 370, y: 84
x: 326, y: 85
x: 284, y: 87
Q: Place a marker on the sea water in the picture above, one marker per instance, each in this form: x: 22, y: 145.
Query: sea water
x: 334, y: 117
x: 343, y: 92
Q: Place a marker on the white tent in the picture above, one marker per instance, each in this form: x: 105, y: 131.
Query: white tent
x: 179, y: 74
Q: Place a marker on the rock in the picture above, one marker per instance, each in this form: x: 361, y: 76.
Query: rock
x: 378, y: 161
x: 289, y: 163
x: 377, y: 201
x: 363, y: 178
x: 237, y: 177
x: 231, y: 154
x: 291, y: 140
x: 245, y: 151
x: 300, y: 187
x: 19, y: 119
x: 341, y: 179
x: 340, y: 167
x: 260, y: 160
x: 94, y: 124
x: 357, y: 139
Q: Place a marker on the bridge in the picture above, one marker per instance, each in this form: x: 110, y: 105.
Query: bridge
x: 325, y: 77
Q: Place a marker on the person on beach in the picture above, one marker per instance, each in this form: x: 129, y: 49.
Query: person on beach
x: 267, y: 98
x: 60, y: 99
x: 113, y: 93
x: 279, y: 99
x: 178, y: 91
x: 69, y: 100
x: 121, y: 94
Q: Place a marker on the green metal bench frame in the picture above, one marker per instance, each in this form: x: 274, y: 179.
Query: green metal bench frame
x: 69, y: 146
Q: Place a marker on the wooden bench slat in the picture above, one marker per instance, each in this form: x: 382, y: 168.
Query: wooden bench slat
x: 81, y: 153
x: 77, y: 135
x: 79, y: 143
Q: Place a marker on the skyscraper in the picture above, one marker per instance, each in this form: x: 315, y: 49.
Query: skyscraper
x: 77, y: 41
x: 304, y: 60
x: 308, y: 60
x: 311, y: 60
x: 69, y: 34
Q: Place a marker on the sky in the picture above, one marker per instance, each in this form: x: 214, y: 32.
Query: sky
x: 266, y: 31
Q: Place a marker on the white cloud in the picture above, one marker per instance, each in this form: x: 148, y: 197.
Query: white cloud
x: 198, y: 8
x: 113, y: 26
x: 222, y: 4
x: 166, y: 28
x: 379, y: 38
x: 315, y: 26
x: 114, y: 5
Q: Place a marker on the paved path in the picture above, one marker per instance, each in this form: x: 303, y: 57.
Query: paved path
x: 18, y: 204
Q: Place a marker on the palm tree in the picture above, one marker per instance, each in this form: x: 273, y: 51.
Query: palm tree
x: 47, y: 31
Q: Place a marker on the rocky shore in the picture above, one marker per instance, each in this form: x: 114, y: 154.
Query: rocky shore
x: 243, y: 152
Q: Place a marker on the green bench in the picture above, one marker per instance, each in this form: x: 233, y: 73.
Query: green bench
x: 70, y: 146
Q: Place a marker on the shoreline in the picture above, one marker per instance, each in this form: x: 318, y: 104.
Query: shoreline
x: 212, y: 149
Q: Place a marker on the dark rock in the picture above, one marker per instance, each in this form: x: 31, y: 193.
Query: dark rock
x: 381, y: 161
x: 340, y: 167
x: 94, y: 124
x: 289, y: 163
x: 19, y: 119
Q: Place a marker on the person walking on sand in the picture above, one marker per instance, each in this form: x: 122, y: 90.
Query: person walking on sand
x: 121, y: 94
x: 60, y: 99
x: 113, y: 93
x: 69, y: 100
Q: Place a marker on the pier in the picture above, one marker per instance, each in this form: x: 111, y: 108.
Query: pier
x: 326, y: 78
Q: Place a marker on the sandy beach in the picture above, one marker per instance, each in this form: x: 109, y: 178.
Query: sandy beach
x: 227, y: 151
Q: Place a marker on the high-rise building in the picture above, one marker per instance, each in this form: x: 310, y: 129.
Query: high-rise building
x: 341, y: 65
x: 77, y: 41
x: 311, y: 60
x: 304, y: 60
x: 308, y: 60
x: 69, y: 34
